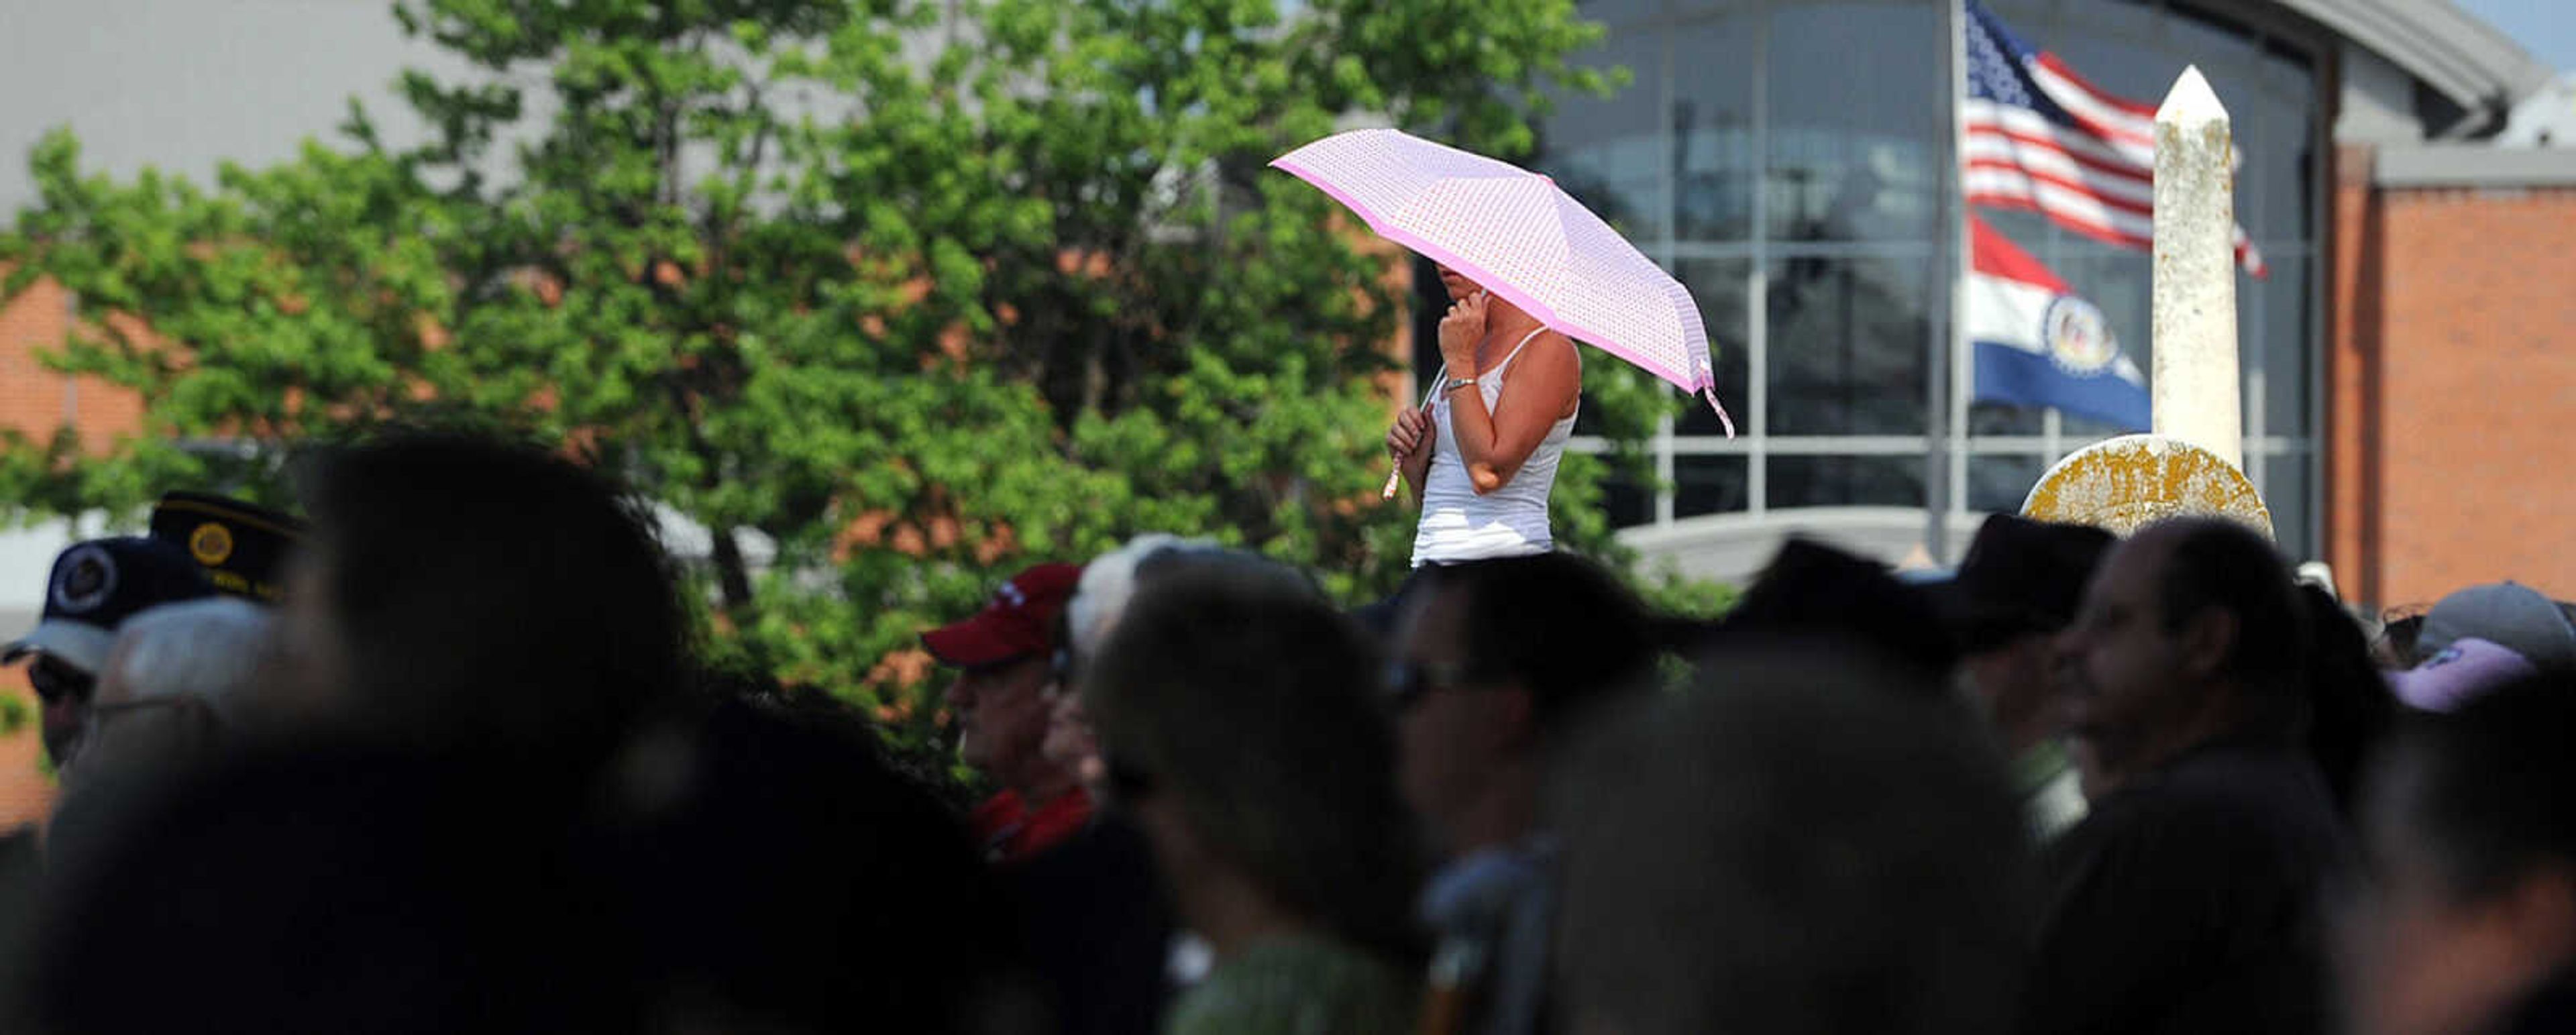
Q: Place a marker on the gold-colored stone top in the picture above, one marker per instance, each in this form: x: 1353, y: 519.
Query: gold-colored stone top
x: 2125, y: 483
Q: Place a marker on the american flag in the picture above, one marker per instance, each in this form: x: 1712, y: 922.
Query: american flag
x: 2039, y: 137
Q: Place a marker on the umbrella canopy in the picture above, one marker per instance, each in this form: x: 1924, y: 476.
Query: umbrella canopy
x: 1520, y: 236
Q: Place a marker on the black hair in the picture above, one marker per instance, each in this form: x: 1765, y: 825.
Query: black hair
x: 1835, y: 600
x: 2222, y: 564
x: 1563, y: 626
x: 494, y: 596
x: 1867, y: 831
x: 2493, y: 792
x: 799, y: 880
x: 2350, y: 709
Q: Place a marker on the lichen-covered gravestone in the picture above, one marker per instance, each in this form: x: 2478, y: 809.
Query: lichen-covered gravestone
x: 2128, y: 482
x: 2190, y: 464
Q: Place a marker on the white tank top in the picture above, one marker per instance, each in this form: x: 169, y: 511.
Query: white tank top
x: 1459, y: 525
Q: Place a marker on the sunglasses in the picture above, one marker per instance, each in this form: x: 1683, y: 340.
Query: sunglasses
x: 1408, y: 681
x: 55, y: 682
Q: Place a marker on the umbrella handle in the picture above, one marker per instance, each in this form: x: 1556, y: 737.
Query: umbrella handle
x: 1395, y: 476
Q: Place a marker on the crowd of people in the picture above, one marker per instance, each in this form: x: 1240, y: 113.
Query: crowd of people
x: 458, y: 765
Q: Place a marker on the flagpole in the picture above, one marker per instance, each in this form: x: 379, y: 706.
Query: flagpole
x: 1944, y: 303
x: 1945, y: 463
x: 1962, y: 351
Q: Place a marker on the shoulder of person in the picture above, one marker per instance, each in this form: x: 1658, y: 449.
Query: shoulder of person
x: 2185, y: 831
x: 1551, y: 351
x: 1298, y: 986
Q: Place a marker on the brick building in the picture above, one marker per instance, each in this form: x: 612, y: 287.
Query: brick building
x: 2452, y: 366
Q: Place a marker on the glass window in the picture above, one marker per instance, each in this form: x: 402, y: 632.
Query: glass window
x: 1997, y: 484
x: 1708, y: 484
x: 1848, y: 347
x: 1846, y: 481
x: 1987, y: 418
x: 2272, y: 138
x: 1712, y: 120
x: 2286, y: 488
x: 1719, y: 286
x: 1857, y: 103
x: 1616, y: 12
x: 2283, y: 355
x: 1609, y: 151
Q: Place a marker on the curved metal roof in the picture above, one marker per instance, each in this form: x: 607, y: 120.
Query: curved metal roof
x: 2450, y: 50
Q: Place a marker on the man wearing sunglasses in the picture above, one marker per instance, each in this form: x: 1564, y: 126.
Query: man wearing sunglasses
x: 95, y: 587
x: 1496, y: 664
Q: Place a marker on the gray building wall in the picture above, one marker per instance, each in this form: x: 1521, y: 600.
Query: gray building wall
x: 185, y: 84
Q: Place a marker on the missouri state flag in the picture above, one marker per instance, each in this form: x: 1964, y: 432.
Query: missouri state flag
x: 2037, y: 344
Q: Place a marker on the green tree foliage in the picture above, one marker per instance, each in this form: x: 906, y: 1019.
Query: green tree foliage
x: 891, y: 296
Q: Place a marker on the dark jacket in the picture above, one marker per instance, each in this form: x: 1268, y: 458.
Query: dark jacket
x: 2548, y: 1009
x: 2193, y: 901
x: 1097, y: 929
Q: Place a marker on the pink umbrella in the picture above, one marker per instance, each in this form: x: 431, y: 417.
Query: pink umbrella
x: 1523, y: 238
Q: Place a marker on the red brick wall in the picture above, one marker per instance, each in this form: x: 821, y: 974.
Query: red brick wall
x: 2350, y: 465
x: 2452, y: 377
x: 35, y: 400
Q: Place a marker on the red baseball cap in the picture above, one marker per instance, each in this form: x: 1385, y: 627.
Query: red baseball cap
x: 1018, y: 623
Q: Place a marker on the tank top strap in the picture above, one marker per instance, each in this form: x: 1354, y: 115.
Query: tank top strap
x: 1506, y: 364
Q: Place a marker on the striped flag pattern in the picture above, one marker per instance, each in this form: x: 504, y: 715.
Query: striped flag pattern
x: 2038, y: 137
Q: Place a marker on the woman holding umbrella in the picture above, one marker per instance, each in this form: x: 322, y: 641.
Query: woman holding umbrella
x: 1482, y: 458
x: 1529, y: 270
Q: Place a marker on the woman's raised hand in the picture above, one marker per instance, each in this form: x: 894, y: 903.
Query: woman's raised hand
x: 1460, y: 331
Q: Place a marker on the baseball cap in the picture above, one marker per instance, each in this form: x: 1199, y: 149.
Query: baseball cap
x: 2509, y: 614
x: 243, y: 548
x: 1019, y: 622
x: 2020, y: 576
x: 2458, y: 673
x: 95, y: 586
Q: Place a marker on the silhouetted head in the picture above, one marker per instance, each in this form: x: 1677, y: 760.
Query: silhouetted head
x: 464, y: 592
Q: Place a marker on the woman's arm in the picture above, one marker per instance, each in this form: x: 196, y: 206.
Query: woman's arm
x: 1541, y: 389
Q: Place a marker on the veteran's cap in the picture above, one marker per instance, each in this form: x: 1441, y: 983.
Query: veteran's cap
x: 95, y: 586
x: 243, y: 548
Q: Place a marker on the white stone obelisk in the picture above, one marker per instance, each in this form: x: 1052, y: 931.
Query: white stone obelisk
x: 2194, y: 462
x: 2196, y: 386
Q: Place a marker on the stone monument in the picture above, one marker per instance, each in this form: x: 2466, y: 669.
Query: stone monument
x: 2192, y: 462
